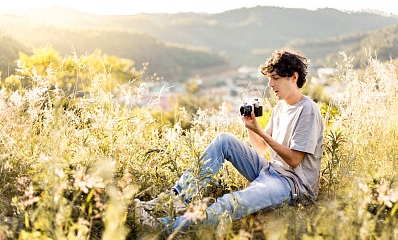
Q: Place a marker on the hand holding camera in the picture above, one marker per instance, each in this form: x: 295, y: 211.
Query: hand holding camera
x: 256, y: 106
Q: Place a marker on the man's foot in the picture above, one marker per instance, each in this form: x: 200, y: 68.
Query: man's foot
x: 164, y: 202
x: 142, y: 217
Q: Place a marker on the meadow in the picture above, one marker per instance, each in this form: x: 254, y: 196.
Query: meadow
x: 71, y: 166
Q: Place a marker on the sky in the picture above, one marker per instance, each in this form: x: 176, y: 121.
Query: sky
x: 126, y: 7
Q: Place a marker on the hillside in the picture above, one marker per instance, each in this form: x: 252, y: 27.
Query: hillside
x: 245, y: 34
x: 182, y: 45
x: 383, y: 44
x: 9, y: 48
x: 172, y: 61
x: 322, y: 51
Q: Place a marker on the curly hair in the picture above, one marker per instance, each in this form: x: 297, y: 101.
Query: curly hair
x: 285, y: 63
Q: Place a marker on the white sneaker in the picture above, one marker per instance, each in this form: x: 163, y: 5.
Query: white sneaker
x: 142, y: 217
x: 164, y: 201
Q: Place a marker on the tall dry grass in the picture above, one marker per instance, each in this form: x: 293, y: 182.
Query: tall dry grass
x: 70, y: 167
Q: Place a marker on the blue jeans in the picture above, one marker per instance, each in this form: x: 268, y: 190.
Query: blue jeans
x: 268, y: 189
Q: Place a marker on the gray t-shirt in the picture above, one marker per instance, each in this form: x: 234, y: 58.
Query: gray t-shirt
x: 299, y: 127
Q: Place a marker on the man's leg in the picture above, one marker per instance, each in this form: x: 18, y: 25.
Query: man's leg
x: 267, y: 191
x: 224, y: 146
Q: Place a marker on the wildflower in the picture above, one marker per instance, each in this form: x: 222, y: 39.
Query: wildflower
x: 127, y: 179
x: 29, y: 193
x: 16, y: 99
x: 85, y: 182
x: 385, y: 195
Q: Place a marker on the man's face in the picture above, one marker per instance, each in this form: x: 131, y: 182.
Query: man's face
x: 283, y: 87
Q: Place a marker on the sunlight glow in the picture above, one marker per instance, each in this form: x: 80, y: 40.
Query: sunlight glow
x: 207, y: 6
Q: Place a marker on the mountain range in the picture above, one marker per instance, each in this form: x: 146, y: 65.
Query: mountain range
x: 178, y: 46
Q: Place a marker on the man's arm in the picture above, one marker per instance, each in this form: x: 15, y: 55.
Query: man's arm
x: 257, y: 142
x: 290, y: 156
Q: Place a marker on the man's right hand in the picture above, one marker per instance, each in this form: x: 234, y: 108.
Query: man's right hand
x: 251, y: 123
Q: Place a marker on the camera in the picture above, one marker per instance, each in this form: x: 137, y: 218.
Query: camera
x: 256, y: 106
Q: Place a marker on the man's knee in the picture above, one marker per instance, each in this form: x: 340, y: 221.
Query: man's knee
x: 224, y: 138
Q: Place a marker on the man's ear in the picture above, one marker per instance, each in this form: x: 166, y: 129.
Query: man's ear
x: 295, y: 77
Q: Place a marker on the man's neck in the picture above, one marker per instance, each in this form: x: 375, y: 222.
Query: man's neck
x: 294, y: 98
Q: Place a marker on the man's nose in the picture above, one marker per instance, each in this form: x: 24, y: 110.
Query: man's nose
x: 270, y: 82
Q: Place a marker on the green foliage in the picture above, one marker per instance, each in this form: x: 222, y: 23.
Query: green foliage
x: 73, y: 73
x: 12, y: 82
x: 336, y: 165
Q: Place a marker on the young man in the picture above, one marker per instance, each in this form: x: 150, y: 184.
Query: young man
x: 294, y: 137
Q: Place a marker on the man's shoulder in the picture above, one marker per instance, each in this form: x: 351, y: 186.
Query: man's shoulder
x: 308, y: 101
x: 309, y: 106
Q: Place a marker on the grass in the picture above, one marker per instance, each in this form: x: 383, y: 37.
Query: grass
x: 70, y: 167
